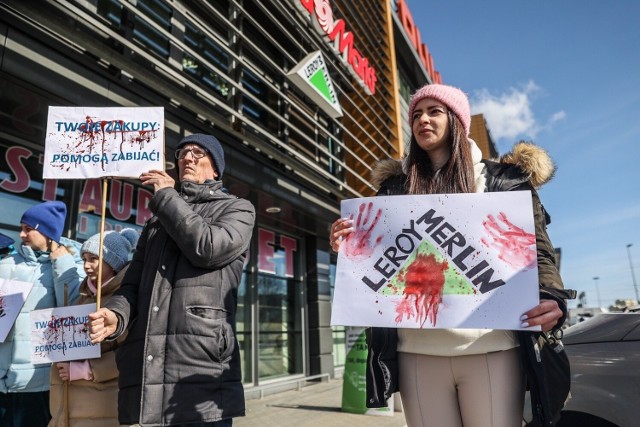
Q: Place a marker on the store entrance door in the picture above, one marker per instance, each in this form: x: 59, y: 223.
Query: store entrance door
x: 280, y: 327
x: 280, y: 309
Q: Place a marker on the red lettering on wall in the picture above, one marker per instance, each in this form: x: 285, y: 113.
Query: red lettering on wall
x: 50, y: 189
x: 342, y: 40
x: 121, y: 200
x: 266, y: 240
x: 290, y: 246
x: 122, y: 193
x: 108, y: 226
x: 414, y: 36
x: 83, y: 224
x: 20, y: 184
x: 91, y: 197
x: 407, y: 21
x: 50, y: 186
x: 308, y: 5
x: 91, y: 200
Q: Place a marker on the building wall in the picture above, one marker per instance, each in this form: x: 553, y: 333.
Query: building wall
x: 221, y: 67
x: 479, y: 132
x: 371, y: 121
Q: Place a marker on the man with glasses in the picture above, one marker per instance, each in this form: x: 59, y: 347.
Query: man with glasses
x: 180, y: 362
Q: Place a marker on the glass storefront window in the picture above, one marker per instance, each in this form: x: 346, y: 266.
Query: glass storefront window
x: 269, y: 317
x: 243, y: 326
x: 280, y: 302
x: 280, y: 322
x: 127, y: 207
x: 21, y: 183
x: 339, y: 332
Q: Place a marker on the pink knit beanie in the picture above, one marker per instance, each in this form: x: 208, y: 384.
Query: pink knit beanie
x: 452, y: 97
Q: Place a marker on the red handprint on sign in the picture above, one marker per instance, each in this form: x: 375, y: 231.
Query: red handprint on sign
x: 516, y: 247
x: 359, y: 243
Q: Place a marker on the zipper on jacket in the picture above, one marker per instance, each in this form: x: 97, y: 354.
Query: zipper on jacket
x: 225, y: 343
x: 371, y: 368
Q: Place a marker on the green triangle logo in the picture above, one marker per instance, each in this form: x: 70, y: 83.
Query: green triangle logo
x: 319, y: 81
x: 454, y: 282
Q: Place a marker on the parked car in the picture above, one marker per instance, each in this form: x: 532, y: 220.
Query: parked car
x: 605, y: 371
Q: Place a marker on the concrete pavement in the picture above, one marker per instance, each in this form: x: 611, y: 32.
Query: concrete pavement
x: 314, y: 405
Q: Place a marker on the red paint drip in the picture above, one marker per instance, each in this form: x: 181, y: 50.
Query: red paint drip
x: 88, y: 138
x: 56, y: 329
x: 424, y: 283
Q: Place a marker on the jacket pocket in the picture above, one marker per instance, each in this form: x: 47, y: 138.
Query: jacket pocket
x: 208, y: 313
x: 212, y: 326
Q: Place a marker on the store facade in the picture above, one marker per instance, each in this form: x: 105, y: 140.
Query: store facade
x: 295, y: 145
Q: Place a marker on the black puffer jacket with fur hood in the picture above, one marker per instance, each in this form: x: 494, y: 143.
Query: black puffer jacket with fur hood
x: 527, y: 167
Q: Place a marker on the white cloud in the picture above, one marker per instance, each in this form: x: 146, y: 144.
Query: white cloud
x: 509, y: 114
x: 556, y: 117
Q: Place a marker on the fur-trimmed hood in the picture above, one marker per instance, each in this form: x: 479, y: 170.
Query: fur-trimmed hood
x: 532, y: 159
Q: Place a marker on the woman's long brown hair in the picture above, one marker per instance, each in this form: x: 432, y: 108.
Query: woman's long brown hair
x: 456, y: 176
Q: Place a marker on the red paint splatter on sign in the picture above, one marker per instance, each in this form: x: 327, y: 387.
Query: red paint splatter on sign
x: 92, y: 139
x: 515, y: 246
x: 58, y: 330
x: 360, y: 243
x: 424, y: 283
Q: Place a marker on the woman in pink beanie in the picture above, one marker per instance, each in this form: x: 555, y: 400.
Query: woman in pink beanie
x: 456, y: 377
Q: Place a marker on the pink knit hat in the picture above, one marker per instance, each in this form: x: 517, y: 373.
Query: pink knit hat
x: 452, y: 97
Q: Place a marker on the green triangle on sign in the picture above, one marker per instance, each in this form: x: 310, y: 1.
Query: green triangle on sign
x: 454, y: 283
x: 319, y: 81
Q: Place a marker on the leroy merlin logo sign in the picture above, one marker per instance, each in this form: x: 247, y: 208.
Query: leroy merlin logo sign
x: 312, y: 77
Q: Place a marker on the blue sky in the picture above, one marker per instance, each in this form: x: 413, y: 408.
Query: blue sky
x: 566, y: 75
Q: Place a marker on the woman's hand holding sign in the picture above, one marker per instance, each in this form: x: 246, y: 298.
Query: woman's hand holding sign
x: 361, y: 243
x: 546, y: 314
x: 340, y: 229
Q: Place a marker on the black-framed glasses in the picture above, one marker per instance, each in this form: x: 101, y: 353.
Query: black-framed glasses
x: 196, y: 152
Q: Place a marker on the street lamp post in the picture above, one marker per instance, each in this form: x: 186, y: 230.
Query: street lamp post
x: 633, y: 275
x: 595, y: 279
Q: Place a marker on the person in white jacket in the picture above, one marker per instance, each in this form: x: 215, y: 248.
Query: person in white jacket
x: 48, y: 261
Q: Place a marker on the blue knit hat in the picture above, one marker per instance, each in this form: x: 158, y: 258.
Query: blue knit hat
x: 117, y: 247
x: 6, y: 243
x: 209, y: 143
x: 48, y: 218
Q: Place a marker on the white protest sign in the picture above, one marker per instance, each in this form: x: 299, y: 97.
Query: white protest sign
x: 438, y: 261
x: 93, y: 142
x: 13, y: 294
x: 62, y: 333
